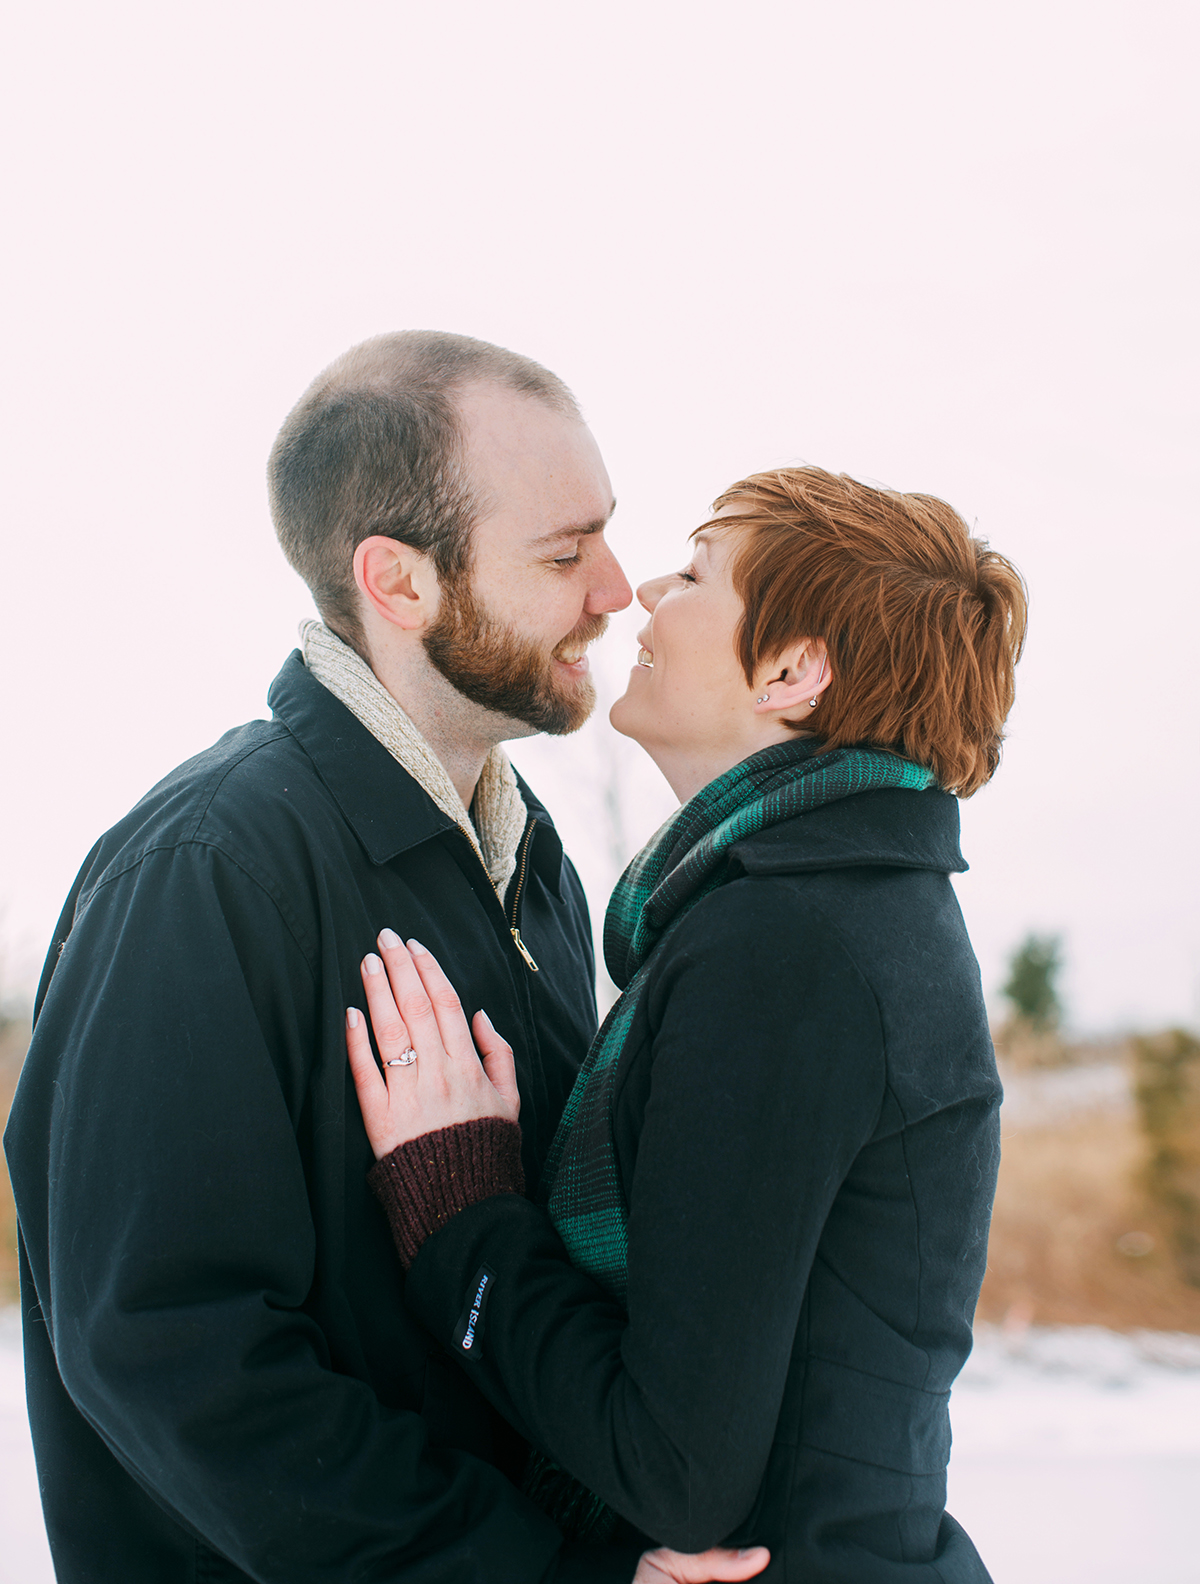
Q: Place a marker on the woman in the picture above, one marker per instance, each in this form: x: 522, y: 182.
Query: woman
x: 775, y: 1172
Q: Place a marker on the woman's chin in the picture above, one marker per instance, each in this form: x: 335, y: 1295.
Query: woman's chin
x: 623, y: 717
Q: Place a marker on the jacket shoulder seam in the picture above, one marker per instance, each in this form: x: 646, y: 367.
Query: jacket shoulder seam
x: 860, y: 971
x: 852, y: 958
x: 259, y: 880
x: 209, y: 789
x: 815, y: 908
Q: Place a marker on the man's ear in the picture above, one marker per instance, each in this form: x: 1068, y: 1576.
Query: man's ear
x: 399, y: 583
x: 797, y: 676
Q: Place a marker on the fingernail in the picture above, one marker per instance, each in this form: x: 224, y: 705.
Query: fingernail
x: 372, y: 964
x: 417, y: 949
x: 487, y: 1020
x: 351, y: 1018
x: 388, y: 938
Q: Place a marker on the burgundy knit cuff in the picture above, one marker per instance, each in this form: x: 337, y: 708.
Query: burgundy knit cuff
x: 426, y: 1181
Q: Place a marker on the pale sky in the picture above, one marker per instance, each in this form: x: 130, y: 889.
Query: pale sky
x: 945, y: 246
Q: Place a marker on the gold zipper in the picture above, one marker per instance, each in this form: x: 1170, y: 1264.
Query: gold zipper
x: 522, y: 866
x: 523, y: 949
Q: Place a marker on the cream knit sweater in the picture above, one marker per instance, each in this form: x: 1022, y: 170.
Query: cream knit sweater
x: 500, y: 813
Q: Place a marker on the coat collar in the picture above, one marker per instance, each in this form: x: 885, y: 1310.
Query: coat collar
x: 383, y: 805
x: 890, y: 828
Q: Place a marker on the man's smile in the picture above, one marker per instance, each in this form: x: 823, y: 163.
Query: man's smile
x: 573, y: 659
x: 571, y: 653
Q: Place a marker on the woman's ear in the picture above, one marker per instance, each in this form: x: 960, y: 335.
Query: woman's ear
x: 795, y: 681
x: 398, y: 582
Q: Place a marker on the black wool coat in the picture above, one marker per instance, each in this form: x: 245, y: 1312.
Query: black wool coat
x: 806, y: 1133
x: 223, y: 1380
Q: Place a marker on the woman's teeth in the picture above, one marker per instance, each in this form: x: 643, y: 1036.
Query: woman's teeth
x: 645, y: 658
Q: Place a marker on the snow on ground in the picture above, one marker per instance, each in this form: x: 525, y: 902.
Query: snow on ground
x: 1076, y: 1458
x: 24, y: 1554
x: 1077, y: 1455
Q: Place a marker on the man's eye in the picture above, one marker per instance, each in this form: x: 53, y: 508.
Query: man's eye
x: 571, y: 560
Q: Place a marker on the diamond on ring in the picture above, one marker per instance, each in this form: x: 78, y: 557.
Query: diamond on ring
x: 405, y: 1059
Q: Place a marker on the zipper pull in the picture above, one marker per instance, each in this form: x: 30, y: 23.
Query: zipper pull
x: 523, y: 949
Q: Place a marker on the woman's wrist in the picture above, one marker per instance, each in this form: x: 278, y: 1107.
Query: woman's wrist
x: 424, y: 1183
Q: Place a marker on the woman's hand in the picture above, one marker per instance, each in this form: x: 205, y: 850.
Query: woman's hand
x: 677, y: 1567
x: 415, y: 1011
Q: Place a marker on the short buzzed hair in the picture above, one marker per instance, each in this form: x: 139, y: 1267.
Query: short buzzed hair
x: 375, y: 446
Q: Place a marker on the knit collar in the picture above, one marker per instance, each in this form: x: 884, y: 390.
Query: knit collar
x: 500, y: 812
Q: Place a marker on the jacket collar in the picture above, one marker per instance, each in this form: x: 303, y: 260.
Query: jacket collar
x: 890, y: 828
x: 386, y: 809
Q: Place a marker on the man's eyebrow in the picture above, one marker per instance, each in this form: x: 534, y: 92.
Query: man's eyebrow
x: 576, y: 530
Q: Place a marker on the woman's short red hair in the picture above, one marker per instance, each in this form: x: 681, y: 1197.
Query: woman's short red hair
x: 922, y: 623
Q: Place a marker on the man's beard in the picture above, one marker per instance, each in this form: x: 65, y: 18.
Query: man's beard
x: 493, y: 667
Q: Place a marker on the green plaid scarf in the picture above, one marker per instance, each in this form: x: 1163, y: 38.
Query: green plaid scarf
x: 681, y: 864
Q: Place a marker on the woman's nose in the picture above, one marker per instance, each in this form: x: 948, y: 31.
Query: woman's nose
x: 650, y: 593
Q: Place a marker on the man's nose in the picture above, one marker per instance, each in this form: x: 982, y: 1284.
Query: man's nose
x: 610, y: 590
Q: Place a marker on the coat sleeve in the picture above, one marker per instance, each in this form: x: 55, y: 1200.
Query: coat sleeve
x: 766, y: 1079
x: 163, y: 1199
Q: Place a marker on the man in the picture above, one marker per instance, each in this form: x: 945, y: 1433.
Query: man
x: 223, y: 1382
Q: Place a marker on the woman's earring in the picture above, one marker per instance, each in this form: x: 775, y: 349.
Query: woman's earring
x: 762, y: 700
x: 812, y: 703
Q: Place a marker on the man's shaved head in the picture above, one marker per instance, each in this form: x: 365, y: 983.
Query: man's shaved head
x: 375, y: 446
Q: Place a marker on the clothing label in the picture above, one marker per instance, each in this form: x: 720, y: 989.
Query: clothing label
x: 468, y: 1331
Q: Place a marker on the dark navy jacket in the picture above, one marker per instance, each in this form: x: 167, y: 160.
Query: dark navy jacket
x: 223, y: 1380
x: 806, y: 1133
